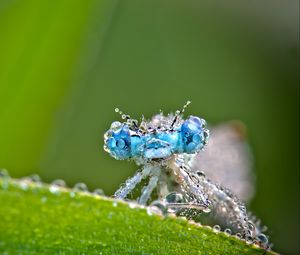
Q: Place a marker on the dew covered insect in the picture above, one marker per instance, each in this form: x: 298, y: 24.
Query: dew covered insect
x: 164, y: 148
x: 159, y: 139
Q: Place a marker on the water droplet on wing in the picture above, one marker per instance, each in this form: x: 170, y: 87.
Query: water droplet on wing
x: 201, y: 174
x: 174, y: 197
x: 262, y: 238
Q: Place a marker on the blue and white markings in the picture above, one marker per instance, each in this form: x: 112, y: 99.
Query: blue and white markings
x: 158, y: 139
x: 164, y: 147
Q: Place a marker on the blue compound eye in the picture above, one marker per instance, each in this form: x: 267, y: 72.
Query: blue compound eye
x: 192, y: 135
x: 119, y: 144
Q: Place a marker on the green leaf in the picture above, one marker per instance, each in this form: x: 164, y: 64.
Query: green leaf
x: 40, y: 219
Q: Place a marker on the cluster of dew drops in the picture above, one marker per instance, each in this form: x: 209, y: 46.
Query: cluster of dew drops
x: 57, y: 186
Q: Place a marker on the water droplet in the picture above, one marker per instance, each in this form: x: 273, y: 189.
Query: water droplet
x: 243, y: 208
x: 54, y: 189
x: 123, y: 116
x: 59, y: 183
x: 263, y: 228
x: 117, y: 110
x: 206, y: 210
x: 203, y: 123
x: 208, y: 227
x: 115, y: 125
x: 56, y: 186
x: 174, y: 197
x: 149, y: 211
x: 5, y: 179
x: 161, y: 206
x: 216, y: 228
x: 227, y: 231
x: 262, y: 238
x: 98, y: 192
x: 132, y: 205
x: 35, y: 178
x: 24, y: 184
x: 238, y: 235
x: 115, y: 204
x: 201, y: 174
x: 4, y: 173
x: 249, y: 240
x: 5, y: 176
x: 80, y: 187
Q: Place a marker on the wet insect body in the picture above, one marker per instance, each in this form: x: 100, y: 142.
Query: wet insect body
x: 163, y: 147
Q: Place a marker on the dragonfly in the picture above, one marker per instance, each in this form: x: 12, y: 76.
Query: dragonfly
x: 168, y: 150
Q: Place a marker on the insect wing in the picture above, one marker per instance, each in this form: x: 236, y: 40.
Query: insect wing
x: 227, y: 159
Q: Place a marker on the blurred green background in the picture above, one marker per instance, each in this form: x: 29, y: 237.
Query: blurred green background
x: 66, y: 64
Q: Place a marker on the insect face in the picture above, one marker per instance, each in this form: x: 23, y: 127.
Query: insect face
x: 125, y: 141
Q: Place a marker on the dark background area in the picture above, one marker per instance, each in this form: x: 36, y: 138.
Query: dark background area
x: 65, y: 65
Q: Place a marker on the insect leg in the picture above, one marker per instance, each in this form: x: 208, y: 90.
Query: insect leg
x: 187, y: 206
x: 146, y: 192
x: 131, y: 182
x: 189, y: 185
x: 162, y: 186
x: 226, y: 209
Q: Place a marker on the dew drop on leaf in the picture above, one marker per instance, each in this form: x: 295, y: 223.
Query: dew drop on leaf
x: 98, y: 192
x: 216, y: 228
x: 80, y: 187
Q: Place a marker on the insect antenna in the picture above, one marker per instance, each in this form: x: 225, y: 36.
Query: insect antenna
x: 127, y: 117
x: 177, y: 113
